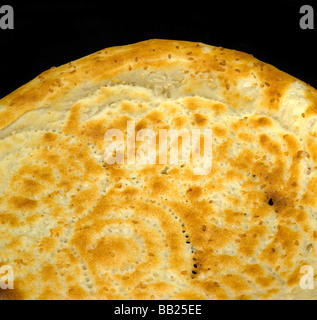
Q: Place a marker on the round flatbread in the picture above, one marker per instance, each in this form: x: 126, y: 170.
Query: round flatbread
x: 73, y: 225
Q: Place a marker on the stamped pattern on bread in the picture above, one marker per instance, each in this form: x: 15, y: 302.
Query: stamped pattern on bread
x: 75, y: 227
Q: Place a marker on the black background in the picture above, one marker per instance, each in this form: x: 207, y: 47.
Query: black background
x: 49, y: 34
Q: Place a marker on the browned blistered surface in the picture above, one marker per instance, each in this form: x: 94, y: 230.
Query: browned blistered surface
x: 74, y: 227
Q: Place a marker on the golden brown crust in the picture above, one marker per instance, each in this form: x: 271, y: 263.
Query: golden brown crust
x: 91, y: 230
x: 106, y: 64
